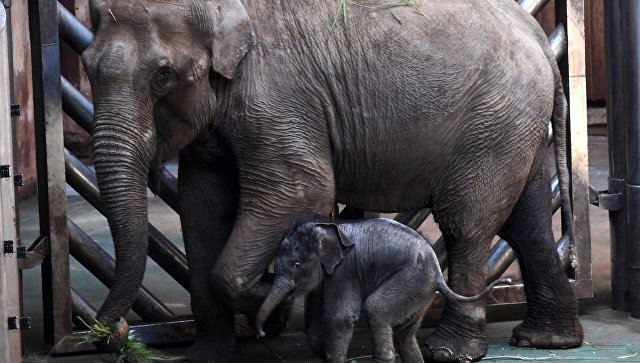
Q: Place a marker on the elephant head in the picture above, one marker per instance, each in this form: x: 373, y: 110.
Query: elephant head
x: 154, y: 67
x: 308, y: 251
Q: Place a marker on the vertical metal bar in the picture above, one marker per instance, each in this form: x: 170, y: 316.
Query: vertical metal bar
x: 45, y: 54
x: 617, y: 140
x: 10, y: 346
x: 631, y: 28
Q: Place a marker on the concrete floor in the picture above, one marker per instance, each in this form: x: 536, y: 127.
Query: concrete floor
x: 609, y: 335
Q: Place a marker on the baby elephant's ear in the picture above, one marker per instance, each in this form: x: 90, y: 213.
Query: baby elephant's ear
x: 332, y: 244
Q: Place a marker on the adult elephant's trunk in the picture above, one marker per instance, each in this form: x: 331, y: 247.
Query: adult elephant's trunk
x: 124, y: 144
x: 280, y: 290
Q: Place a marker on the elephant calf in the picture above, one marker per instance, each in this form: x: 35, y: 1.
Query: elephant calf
x: 376, y: 265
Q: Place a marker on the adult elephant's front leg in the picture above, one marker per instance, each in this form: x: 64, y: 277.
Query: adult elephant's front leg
x: 208, y: 197
x: 274, y: 192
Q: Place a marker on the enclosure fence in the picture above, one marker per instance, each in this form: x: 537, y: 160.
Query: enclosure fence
x: 61, y: 238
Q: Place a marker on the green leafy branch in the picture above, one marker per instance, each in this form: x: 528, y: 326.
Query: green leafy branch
x: 133, y: 352
x: 343, y: 5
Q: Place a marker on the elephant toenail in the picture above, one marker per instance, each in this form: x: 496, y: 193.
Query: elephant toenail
x: 513, y: 341
x: 524, y: 343
x: 443, y: 354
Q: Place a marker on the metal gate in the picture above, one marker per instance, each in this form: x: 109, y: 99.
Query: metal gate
x: 61, y: 238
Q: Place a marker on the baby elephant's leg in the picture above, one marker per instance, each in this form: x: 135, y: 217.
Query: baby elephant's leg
x: 339, y: 331
x: 405, y: 340
x: 342, y: 299
x: 397, y: 301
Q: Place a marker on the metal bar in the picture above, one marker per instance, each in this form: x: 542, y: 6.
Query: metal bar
x: 103, y: 266
x: 45, y: 55
x: 81, y: 309
x: 413, y: 219
x: 616, y: 134
x: 558, y: 42
x: 10, y: 342
x: 630, y: 10
x: 76, y: 105
x: 161, y: 250
x: 72, y: 31
x: 533, y: 7
x: 80, y: 109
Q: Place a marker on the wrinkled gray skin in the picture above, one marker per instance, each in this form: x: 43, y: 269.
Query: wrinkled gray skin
x: 277, y: 116
x: 377, y: 266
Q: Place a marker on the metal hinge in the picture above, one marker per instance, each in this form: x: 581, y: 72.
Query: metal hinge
x: 16, y: 111
x: 5, y: 173
x: 17, y: 180
x: 25, y: 322
x: 8, y: 247
x: 606, y: 200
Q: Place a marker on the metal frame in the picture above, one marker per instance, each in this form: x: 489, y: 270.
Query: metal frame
x: 10, y: 339
x: 45, y: 54
x: 623, y: 126
x: 53, y: 94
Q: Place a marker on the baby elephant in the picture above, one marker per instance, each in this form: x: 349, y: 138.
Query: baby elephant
x: 377, y: 266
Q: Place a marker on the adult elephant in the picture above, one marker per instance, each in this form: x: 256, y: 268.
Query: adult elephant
x: 279, y: 114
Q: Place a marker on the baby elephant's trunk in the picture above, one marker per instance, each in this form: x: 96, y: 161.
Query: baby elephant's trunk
x: 450, y: 294
x: 280, y: 290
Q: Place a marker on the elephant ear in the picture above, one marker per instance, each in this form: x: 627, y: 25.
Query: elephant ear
x: 332, y: 244
x: 232, y: 36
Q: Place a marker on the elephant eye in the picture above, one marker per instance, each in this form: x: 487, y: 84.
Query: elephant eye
x: 162, y: 80
x: 296, y: 265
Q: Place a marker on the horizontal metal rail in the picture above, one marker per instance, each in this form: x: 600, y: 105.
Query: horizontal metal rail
x: 100, y: 263
x: 82, y: 309
x: 533, y: 7
x: 161, y: 250
x: 72, y: 31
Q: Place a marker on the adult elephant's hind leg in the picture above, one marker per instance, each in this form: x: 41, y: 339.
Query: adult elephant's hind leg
x: 470, y: 212
x: 552, y: 309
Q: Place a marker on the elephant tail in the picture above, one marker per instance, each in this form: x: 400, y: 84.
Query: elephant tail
x: 452, y: 295
x: 559, y: 125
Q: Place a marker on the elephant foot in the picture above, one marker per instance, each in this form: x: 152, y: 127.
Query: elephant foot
x: 558, y: 334
x: 442, y: 347
x: 211, y: 349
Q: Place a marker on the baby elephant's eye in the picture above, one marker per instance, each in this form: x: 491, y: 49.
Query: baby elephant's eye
x: 296, y: 265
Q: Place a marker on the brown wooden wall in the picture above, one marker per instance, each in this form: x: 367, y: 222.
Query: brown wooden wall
x: 594, y: 36
x: 596, y: 70
x: 24, y: 126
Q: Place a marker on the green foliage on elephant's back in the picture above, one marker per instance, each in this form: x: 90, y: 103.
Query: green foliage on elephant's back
x: 342, y: 12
